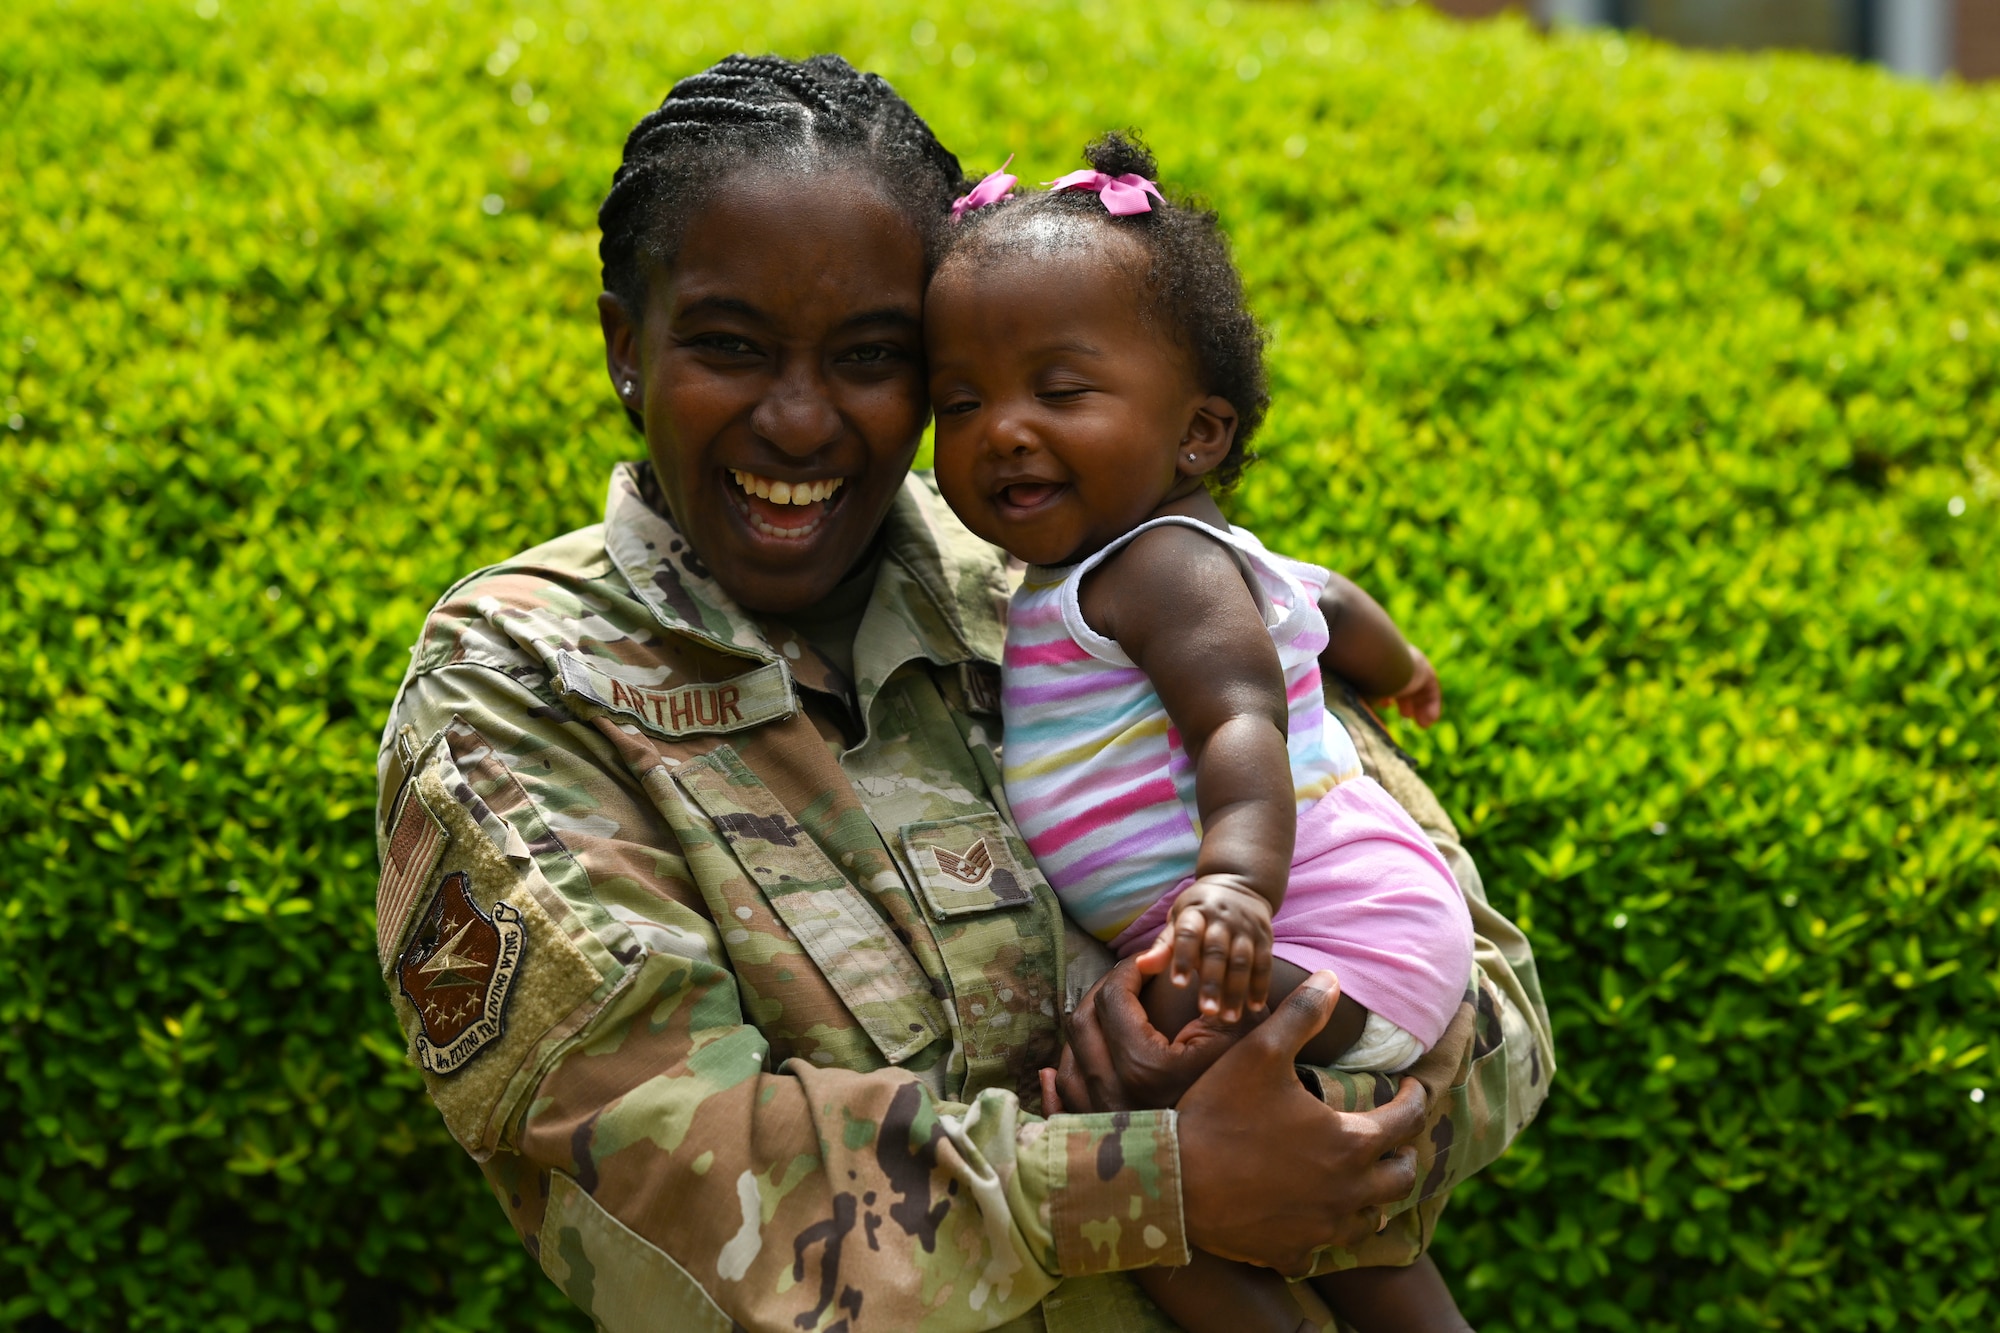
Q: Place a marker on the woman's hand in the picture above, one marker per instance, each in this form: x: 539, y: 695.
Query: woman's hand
x: 1269, y: 1173
x: 1116, y: 1060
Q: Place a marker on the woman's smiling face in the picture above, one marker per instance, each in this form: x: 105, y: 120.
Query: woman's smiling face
x: 779, y: 372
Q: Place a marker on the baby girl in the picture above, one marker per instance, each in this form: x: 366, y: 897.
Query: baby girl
x: 1096, y: 376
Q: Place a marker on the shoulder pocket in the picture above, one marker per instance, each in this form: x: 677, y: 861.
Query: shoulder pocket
x: 486, y: 984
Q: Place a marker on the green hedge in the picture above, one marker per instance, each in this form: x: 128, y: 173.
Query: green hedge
x: 1655, y: 392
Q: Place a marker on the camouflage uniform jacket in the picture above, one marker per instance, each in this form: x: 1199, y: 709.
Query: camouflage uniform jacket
x: 735, y: 978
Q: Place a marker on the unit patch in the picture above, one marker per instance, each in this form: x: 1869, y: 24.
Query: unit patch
x: 457, y: 971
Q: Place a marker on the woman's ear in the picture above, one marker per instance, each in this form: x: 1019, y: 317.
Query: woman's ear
x: 621, y: 355
x: 1211, y: 431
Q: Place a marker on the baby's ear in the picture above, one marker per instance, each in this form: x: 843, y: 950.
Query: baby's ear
x: 1211, y: 431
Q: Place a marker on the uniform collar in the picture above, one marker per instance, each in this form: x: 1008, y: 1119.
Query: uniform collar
x: 940, y: 596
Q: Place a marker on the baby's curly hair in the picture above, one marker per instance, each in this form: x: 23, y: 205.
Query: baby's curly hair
x: 1196, y: 292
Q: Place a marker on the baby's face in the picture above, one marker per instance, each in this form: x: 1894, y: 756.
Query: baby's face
x: 1059, y: 407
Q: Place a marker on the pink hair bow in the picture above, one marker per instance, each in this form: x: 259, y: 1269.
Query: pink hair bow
x: 991, y: 190
x: 1121, y: 196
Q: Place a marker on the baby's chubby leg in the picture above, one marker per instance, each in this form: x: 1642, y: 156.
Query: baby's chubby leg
x: 1394, y: 1300
x: 1171, y: 1008
x: 1214, y: 1295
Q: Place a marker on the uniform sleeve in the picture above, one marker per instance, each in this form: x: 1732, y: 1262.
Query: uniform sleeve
x: 662, y: 1172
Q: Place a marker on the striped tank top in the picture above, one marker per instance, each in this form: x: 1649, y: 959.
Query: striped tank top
x: 1099, y: 783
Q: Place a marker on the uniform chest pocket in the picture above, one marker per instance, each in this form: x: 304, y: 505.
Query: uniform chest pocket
x: 967, y: 865
x: 1000, y: 933
x: 849, y: 942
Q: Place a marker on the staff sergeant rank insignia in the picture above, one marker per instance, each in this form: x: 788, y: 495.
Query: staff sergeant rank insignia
x: 457, y: 971
x: 972, y: 870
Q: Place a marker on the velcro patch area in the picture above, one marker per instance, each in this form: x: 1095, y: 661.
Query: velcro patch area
x: 489, y: 988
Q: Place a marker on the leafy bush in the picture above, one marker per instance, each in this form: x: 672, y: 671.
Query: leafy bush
x: 1655, y: 393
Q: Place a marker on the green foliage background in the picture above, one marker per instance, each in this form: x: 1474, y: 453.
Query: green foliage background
x: 1654, y: 392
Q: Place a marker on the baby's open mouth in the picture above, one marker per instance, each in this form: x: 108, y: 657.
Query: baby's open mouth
x: 1029, y: 494
x: 790, y: 510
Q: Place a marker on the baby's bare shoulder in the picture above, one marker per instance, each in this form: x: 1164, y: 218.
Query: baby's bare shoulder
x: 1174, y: 554
x: 1171, y: 573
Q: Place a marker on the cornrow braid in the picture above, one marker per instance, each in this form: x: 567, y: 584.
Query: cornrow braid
x: 747, y: 109
x: 738, y: 75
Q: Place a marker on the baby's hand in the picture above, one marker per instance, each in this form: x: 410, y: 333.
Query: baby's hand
x: 1422, y: 700
x: 1222, y: 935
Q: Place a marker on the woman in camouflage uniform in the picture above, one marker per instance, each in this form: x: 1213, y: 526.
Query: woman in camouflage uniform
x: 700, y: 905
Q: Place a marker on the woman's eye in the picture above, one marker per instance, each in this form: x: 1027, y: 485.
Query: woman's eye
x: 872, y: 354
x: 727, y: 343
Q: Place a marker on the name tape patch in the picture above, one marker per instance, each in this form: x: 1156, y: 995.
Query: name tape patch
x: 711, y: 708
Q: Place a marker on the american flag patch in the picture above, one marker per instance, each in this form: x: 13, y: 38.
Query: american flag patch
x: 416, y: 840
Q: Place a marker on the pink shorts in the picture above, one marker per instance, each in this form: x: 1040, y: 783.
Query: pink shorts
x: 1371, y: 899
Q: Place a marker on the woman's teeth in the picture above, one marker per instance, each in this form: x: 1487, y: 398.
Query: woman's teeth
x: 787, y: 492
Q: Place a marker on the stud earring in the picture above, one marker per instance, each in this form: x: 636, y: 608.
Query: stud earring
x: 628, y: 388
x: 1191, y: 458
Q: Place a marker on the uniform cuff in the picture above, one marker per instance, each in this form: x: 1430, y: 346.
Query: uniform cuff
x: 1115, y: 1201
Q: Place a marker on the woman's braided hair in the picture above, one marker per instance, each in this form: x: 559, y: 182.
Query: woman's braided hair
x: 746, y: 109
x: 1190, y: 284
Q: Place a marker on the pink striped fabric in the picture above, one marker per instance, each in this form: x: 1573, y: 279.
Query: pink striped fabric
x: 1103, y: 792
x: 1096, y: 775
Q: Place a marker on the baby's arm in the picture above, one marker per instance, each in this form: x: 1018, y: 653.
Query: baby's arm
x: 1178, y: 605
x: 1365, y: 649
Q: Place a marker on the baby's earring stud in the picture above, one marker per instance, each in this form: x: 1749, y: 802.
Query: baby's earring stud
x: 1191, y: 458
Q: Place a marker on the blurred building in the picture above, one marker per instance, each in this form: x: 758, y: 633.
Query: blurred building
x: 1924, y: 39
